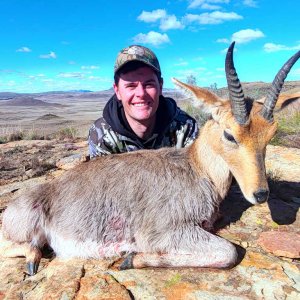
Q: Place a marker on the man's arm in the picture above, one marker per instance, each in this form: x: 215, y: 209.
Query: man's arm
x: 188, y: 130
x: 96, y: 143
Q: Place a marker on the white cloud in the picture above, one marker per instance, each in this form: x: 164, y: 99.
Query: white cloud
x: 152, y: 16
x: 50, y: 80
x: 70, y: 75
x: 181, y: 63
x: 196, y: 3
x: 226, y: 49
x: 36, y: 77
x: 185, y: 73
x: 216, y: 17
x: 90, y: 67
x: 270, y: 47
x: 23, y: 49
x: 205, y: 3
x: 167, y: 22
x: 94, y: 78
x: 250, y: 3
x: 11, y: 83
x: 246, y: 35
x: 224, y: 40
x: 170, y: 22
x: 50, y: 55
x: 152, y: 38
x: 210, y: 6
x: 195, y: 71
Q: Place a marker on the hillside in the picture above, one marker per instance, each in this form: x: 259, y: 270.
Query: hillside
x: 257, y: 90
x: 28, y: 101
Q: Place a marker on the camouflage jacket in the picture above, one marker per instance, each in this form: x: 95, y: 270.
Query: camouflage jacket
x: 112, y: 133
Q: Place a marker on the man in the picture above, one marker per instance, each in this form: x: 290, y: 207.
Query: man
x: 138, y: 116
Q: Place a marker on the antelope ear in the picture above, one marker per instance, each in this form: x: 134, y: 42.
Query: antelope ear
x: 283, y: 101
x: 205, y: 99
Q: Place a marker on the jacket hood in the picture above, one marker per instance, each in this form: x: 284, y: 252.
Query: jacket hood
x: 114, y: 115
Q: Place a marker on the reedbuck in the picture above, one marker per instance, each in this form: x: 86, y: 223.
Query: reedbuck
x: 154, y: 206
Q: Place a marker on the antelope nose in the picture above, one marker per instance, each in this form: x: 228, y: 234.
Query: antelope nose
x: 261, y: 195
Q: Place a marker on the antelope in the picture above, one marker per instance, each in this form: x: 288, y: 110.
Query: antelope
x: 158, y: 207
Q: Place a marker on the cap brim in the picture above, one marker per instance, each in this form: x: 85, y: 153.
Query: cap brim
x: 139, y: 60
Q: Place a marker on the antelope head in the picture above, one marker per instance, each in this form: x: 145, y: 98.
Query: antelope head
x: 240, y: 129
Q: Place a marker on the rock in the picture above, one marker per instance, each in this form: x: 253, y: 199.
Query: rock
x: 101, y: 286
x: 285, y: 165
x: 285, y: 244
x: 71, y: 161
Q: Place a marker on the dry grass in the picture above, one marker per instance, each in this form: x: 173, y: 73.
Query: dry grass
x: 195, y: 112
x: 288, y: 132
x: 65, y: 133
x: 68, y: 133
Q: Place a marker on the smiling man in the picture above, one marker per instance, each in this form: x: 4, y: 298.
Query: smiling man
x: 138, y: 116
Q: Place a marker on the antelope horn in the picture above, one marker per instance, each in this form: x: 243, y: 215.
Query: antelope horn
x: 272, y: 96
x: 236, y: 94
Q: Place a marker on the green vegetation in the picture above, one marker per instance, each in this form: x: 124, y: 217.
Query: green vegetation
x: 67, y: 133
x: 173, y: 280
x: 196, y: 113
x: 288, y: 126
x: 19, y: 134
x: 14, y: 136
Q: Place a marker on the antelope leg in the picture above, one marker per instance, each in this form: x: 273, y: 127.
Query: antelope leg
x: 205, y: 250
x: 33, y: 254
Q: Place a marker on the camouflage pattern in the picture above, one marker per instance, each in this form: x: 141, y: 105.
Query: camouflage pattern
x: 103, y: 140
x: 137, y: 53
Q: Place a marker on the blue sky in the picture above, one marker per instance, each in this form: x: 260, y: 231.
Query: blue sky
x: 71, y: 45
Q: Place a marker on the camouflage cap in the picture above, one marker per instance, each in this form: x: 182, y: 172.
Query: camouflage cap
x: 137, y: 53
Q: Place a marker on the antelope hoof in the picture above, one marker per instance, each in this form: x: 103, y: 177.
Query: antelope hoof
x: 33, y: 258
x: 127, y: 262
x: 32, y: 268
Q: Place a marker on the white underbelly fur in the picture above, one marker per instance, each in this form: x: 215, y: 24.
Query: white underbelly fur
x: 67, y: 248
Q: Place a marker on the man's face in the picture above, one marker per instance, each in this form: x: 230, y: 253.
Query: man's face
x: 139, y: 92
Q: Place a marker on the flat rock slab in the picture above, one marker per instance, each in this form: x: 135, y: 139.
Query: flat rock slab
x: 258, y: 276
x: 284, y: 164
x: 281, y: 243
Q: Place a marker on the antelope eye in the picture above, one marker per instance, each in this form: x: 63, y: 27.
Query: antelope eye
x: 229, y: 137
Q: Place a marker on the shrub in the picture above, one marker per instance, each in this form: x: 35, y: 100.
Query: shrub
x: 196, y: 113
x: 67, y: 133
x: 288, y: 125
x: 33, y: 135
x: 3, y: 139
x: 16, y: 136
